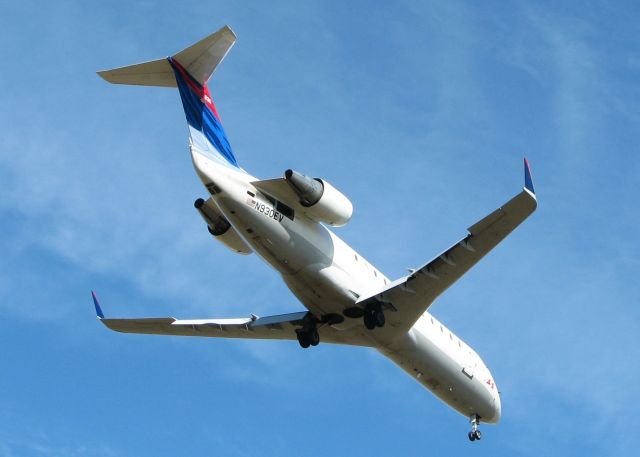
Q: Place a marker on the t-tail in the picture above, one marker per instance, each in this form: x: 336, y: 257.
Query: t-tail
x: 189, y: 70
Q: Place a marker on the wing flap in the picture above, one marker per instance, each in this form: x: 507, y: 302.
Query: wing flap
x: 271, y: 327
x: 150, y: 325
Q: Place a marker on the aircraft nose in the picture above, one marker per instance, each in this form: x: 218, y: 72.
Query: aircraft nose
x: 497, y: 408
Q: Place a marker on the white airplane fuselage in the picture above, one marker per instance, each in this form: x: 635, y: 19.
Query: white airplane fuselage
x: 348, y: 300
x: 327, y: 276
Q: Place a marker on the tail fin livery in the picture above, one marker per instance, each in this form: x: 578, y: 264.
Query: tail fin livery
x: 204, y: 122
x: 189, y: 70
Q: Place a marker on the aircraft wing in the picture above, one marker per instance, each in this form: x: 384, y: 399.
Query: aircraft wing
x: 407, y: 298
x: 280, y: 327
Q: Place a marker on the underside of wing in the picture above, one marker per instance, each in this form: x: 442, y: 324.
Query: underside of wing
x: 407, y: 298
x: 280, y: 327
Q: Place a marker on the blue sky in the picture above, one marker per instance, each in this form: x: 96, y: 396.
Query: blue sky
x: 421, y: 113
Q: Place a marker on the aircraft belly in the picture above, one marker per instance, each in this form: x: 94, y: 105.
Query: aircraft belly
x: 430, y: 364
x: 302, y: 251
x: 267, y: 237
x: 324, y: 289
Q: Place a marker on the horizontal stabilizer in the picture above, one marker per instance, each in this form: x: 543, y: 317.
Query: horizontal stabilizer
x: 200, y: 60
x: 154, y: 73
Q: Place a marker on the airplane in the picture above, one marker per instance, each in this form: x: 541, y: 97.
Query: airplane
x: 285, y: 222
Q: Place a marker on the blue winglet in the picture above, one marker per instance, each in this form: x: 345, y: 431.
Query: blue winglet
x: 97, y: 305
x: 528, y: 182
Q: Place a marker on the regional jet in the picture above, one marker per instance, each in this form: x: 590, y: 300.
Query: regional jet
x: 285, y: 222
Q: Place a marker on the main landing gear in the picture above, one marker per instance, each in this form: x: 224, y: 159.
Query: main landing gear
x: 308, y: 335
x: 374, y: 317
x: 372, y: 314
x: 475, y: 433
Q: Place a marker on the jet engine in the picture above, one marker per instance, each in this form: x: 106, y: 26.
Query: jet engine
x: 322, y: 201
x: 220, y: 227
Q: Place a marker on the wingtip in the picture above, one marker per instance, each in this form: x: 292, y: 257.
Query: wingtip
x: 105, y: 75
x: 99, y: 312
x: 228, y: 28
x: 528, y: 182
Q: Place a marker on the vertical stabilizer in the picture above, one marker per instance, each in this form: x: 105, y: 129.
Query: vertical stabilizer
x: 189, y: 70
x: 205, y: 126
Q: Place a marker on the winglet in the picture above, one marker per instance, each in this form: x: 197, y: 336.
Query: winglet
x: 99, y: 312
x: 528, y: 182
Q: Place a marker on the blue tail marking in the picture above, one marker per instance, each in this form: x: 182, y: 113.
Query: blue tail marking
x: 99, y: 312
x: 528, y: 182
x: 201, y: 112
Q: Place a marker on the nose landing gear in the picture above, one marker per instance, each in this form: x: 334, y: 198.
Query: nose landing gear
x: 475, y: 433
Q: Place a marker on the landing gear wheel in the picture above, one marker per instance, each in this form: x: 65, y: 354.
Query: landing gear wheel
x: 477, y: 434
x: 378, y: 318
x: 472, y: 436
x: 308, y: 335
x: 374, y: 317
x: 313, y: 337
x: 303, y: 339
x: 369, y: 320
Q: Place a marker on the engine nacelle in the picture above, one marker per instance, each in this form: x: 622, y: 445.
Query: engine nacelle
x: 220, y: 227
x: 322, y: 201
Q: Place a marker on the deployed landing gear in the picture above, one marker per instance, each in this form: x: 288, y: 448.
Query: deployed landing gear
x: 308, y: 336
x: 475, y: 434
x: 374, y: 317
x: 314, y: 337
